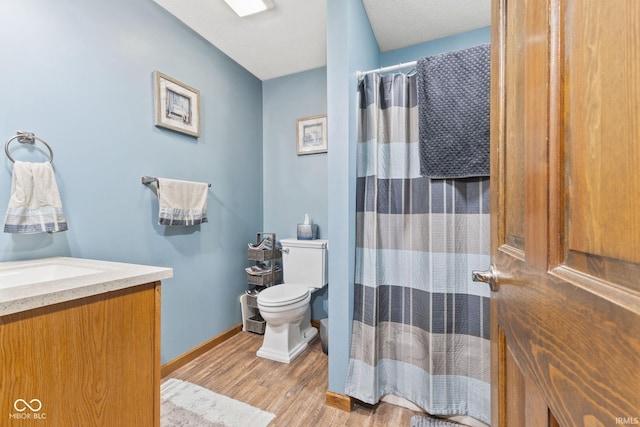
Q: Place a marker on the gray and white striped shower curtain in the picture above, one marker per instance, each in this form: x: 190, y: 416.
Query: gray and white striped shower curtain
x: 421, y: 326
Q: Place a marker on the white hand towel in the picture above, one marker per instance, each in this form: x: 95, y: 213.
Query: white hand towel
x: 34, y: 205
x: 182, y: 202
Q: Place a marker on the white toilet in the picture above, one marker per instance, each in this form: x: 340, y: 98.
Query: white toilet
x: 285, y: 308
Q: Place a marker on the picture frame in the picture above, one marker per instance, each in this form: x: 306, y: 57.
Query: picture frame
x: 311, y: 133
x: 177, y: 105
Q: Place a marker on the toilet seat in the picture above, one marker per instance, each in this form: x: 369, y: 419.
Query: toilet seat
x: 281, y: 295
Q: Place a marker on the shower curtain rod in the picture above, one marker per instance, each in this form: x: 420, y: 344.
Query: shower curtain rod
x: 361, y: 74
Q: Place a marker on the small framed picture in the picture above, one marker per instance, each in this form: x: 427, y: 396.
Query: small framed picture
x: 177, y: 106
x: 312, y: 135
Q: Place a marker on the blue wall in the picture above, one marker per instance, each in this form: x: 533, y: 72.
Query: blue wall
x: 79, y: 75
x: 294, y: 185
x: 351, y: 46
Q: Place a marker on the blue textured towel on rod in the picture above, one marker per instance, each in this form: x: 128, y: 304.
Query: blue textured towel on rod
x: 453, y: 107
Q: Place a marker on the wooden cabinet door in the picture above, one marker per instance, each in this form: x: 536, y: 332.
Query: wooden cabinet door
x: 566, y: 213
x: 94, y: 362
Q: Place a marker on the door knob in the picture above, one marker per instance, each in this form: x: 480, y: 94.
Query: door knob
x: 489, y: 276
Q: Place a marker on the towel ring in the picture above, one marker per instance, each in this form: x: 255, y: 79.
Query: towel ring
x: 26, y: 138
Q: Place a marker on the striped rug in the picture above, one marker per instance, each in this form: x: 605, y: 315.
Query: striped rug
x: 186, y: 404
x: 427, y: 421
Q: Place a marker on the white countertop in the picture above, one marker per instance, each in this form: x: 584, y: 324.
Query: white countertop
x: 25, y: 285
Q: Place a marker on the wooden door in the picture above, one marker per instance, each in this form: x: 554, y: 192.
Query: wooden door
x: 566, y: 213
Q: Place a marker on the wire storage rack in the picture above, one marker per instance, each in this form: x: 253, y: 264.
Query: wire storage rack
x: 265, y: 272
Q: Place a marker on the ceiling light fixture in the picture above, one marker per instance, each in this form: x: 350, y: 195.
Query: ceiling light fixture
x: 244, y: 8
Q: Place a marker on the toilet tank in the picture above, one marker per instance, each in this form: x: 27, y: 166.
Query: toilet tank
x: 304, y: 262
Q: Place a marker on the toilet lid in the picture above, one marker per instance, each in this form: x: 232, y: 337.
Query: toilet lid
x: 282, y: 295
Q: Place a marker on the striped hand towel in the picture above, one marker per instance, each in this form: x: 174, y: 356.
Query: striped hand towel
x: 182, y: 202
x: 34, y: 205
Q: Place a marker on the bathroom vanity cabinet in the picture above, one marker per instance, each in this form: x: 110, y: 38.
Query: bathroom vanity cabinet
x: 88, y: 361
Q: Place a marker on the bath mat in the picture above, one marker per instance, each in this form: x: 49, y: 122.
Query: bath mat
x: 186, y: 404
x: 427, y: 421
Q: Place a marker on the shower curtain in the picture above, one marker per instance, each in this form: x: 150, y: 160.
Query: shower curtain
x: 421, y: 326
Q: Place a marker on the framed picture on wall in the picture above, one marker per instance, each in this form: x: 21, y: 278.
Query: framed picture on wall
x: 311, y: 135
x: 177, y: 106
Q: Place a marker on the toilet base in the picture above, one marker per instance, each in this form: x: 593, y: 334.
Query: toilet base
x: 307, y: 332
x: 281, y: 356
x: 282, y: 343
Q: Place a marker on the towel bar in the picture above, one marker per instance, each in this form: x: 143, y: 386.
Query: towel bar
x: 148, y: 180
x: 26, y: 138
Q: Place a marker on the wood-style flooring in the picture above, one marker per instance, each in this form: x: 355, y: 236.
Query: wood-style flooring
x: 295, y: 393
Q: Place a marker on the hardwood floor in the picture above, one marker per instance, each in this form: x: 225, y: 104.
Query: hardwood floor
x: 295, y: 393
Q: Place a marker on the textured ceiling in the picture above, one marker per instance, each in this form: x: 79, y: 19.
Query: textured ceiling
x: 292, y: 37
x: 402, y: 23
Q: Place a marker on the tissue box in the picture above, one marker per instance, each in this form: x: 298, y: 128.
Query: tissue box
x: 307, y: 231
